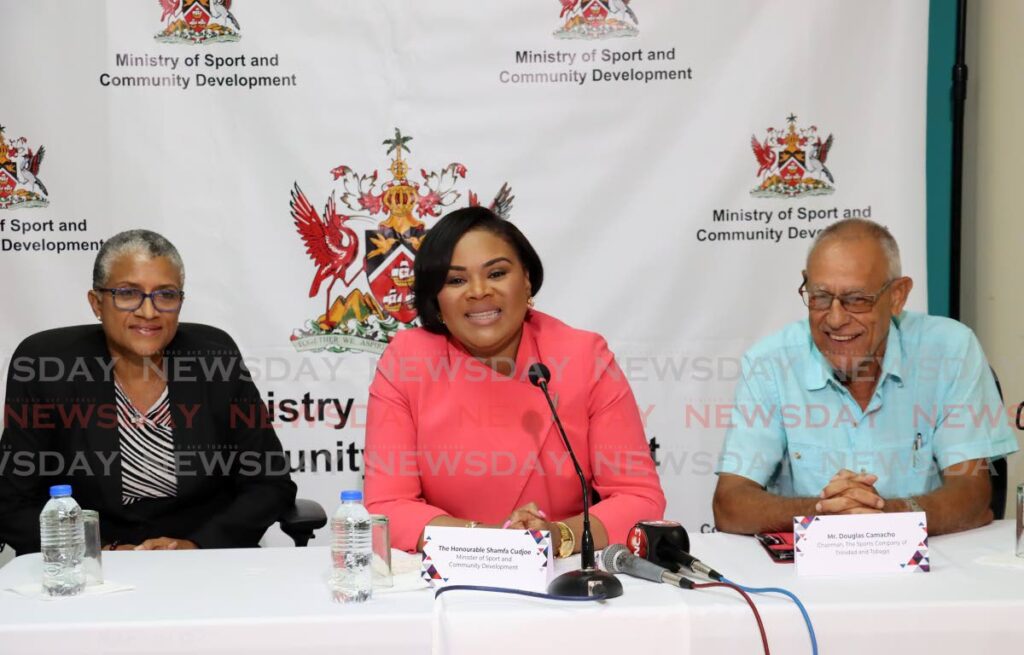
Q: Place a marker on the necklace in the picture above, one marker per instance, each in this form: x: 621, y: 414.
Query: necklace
x: 137, y: 418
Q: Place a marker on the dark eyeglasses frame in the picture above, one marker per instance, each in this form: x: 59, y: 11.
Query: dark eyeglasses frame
x: 845, y: 300
x: 153, y: 295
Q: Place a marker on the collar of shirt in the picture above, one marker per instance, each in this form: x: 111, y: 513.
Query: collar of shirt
x: 819, y: 371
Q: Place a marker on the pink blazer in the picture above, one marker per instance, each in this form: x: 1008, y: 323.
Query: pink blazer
x: 446, y: 435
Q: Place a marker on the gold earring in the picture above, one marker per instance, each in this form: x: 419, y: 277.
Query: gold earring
x: 529, y: 302
x: 440, y: 319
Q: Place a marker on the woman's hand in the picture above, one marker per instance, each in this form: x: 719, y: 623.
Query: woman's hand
x: 531, y: 517
x: 119, y: 546
x: 525, y: 517
x: 166, y: 543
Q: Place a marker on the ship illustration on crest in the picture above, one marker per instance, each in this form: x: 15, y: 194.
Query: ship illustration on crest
x: 791, y: 162
x: 198, y: 21
x: 375, y: 269
x: 20, y: 186
x: 597, y: 19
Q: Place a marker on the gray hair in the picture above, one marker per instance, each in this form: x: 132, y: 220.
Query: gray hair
x: 855, y: 228
x: 142, y: 242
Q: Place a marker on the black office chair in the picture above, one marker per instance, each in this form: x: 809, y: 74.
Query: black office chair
x: 998, y: 472
x: 301, y: 520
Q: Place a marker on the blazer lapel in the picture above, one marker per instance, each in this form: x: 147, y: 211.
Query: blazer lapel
x: 186, y: 398
x: 102, y: 434
x: 522, y: 421
x: 538, y: 412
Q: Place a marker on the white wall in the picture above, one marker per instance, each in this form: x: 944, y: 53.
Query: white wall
x: 992, y: 290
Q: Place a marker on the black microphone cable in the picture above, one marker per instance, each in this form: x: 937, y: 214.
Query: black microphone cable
x: 518, y: 592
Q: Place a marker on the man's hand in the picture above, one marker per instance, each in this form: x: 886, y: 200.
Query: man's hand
x: 850, y: 493
x: 166, y: 543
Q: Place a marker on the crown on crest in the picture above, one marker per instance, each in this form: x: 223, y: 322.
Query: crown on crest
x: 400, y: 196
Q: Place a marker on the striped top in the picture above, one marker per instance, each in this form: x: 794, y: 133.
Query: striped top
x: 147, y: 449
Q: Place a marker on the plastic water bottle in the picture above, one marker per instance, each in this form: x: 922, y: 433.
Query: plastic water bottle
x: 62, y: 541
x: 351, y: 550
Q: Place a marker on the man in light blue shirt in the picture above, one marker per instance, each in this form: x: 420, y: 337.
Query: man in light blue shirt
x: 862, y: 407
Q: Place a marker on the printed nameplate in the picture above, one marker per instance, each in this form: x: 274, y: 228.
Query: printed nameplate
x: 861, y: 543
x: 517, y: 559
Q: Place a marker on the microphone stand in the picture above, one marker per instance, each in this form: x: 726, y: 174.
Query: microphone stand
x: 588, y: 580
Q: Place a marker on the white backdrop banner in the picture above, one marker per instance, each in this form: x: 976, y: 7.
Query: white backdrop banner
x: 670, y: 161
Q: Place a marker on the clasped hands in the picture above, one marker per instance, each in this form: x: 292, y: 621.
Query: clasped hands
x: 850, y: 493
x: 157, y: 543
x: 531, y: 517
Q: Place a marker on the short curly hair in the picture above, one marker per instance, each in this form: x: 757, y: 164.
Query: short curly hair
x: 149, y: 243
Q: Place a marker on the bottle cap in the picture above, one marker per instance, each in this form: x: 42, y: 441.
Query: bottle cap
x: 352, y: 494
x: 60, y: 490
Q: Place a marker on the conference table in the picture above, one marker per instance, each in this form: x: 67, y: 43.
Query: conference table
x: 275, y: 600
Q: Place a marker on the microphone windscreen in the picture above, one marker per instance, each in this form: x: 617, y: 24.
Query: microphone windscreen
x: 617, y: 559
x: 654, y: 540
x: 609, y: 557
x: 539, y: 373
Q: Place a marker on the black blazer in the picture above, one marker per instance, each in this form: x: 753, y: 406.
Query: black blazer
x: 60, y: 427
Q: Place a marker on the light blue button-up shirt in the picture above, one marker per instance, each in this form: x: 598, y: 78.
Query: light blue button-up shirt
x: 794, y: 425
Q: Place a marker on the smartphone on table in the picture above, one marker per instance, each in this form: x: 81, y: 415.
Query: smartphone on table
x: 778, y: 545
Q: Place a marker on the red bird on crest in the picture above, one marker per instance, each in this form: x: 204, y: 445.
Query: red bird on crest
x: 170, y: 7
x: 330, y: 243
x: 764, y: 153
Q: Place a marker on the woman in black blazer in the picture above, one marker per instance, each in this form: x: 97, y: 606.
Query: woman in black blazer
x: 155, y: 424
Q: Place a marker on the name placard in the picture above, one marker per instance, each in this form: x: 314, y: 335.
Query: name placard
x: 518, y: 559
x: 861, y: 543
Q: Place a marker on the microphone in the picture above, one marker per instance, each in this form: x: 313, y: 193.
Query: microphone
x: 617, y: 559
x: 589, y: 580
x: 665, y: 543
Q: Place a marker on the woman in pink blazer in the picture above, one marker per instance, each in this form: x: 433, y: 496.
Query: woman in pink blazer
x: 457, y: 435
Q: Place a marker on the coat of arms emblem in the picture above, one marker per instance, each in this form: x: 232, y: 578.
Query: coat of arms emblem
x: 20, y: 185
x: 791, y: 162
x: 198, y: 21
x: 375, y: 268
x: 597, y: 19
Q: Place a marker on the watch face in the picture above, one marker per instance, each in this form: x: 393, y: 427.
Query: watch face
x: 566, y: 545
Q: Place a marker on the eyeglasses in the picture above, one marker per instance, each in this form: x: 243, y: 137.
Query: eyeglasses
x: 855, y: 303
x: 128, y: 300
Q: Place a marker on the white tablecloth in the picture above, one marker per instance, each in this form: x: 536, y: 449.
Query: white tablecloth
x: 275, y: 600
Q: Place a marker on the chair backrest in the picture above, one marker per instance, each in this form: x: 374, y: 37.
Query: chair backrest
x: 998, y: 470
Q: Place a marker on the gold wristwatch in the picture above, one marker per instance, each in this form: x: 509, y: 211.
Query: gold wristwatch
x: 568, y: 540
